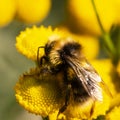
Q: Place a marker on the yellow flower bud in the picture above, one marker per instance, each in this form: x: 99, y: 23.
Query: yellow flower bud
x: 30, y: 11
x: 7, y: 11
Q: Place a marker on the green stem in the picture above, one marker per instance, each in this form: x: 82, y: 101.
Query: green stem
x: 118, y: 44
x: 106, y: 37
x: 98, y: 18
x: 109, y: 44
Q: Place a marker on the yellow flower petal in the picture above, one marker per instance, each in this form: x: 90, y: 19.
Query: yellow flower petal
x: 102, y: 107
x: 106, y: 71
x: 115, y: 101
x: 29, y: 40
x: 104, y: 67
x: 114, y: 114
x: 38, y: 94
x: 53, y: 116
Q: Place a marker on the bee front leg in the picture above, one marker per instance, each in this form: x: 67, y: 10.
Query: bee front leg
x: 67, y: 98
x: 92, y: 109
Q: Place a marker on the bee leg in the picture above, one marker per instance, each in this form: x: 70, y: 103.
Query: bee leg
x: 35, y: 74
x: 40, y: 60
x: 67, y: 97
x: 92, y: 109
x: 43, y: 58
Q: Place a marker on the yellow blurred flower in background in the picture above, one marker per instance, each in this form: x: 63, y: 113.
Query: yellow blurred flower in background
x: 116, y: 4
x: 7, y: 11
x: 30, y: 11
x: 82, y: 12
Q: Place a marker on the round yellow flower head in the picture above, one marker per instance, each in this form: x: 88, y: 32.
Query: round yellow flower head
x: 30, y: 11
x: 39, y: 93
x: 29, y: 40
x: 7, y: 11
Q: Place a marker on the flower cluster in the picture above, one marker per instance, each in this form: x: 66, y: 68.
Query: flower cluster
x: 44, y: 94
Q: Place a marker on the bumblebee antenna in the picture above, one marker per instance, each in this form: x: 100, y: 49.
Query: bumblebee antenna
x: 39, y: 61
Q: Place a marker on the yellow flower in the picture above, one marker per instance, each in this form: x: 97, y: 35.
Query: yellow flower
x: 7, y: 11
x: 114, y: 114
x: 82, y: 15
x: 32, y: 38
x: 30, y: 11
x: 39, y: 94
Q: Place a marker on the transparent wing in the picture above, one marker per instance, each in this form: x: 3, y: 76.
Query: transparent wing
x: 88, y: 77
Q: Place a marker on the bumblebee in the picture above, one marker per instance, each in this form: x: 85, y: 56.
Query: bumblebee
x: 80, y: 78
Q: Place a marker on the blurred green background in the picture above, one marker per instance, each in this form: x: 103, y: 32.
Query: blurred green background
x: 12, y: 64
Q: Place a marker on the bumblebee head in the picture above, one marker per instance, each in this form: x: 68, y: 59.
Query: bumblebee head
x: 57, y: 50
